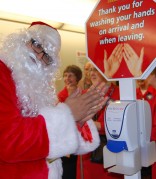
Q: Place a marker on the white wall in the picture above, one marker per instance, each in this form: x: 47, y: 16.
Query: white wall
x: 71, y: 43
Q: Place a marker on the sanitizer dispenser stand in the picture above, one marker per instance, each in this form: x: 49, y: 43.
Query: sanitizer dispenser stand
x: 128, y: 131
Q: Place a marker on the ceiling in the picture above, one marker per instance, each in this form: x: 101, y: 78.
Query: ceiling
x: 63, y: 14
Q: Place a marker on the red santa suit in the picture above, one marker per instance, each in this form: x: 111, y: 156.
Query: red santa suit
x: 33, y: 134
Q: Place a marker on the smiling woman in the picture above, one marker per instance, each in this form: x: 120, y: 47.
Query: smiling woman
x: 71, y: 76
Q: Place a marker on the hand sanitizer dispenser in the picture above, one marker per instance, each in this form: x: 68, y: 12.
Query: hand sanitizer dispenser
x: 128, y: 130
x: 119, y: 117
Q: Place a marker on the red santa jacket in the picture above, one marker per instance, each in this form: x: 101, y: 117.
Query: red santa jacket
x: 27, y: 142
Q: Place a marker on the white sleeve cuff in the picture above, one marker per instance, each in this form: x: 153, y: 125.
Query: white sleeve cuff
x: 85, y: 147
x: 61, y: 129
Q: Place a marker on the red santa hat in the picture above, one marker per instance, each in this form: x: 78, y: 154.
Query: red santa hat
x: 41, y: 23
x: 46, y: 30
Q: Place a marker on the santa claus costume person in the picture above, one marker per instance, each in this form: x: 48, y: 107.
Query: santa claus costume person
x: 34, y: 131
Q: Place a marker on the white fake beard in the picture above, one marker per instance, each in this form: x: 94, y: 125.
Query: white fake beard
x: 33, y: 80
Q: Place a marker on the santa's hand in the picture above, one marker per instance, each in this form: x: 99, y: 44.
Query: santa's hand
x: 84, y: 106
x: 93, y: 111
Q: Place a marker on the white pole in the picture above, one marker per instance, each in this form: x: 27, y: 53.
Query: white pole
x: 128, y: 92
x: 127, y: 89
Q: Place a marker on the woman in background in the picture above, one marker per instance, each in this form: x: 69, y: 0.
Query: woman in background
x: 71, y: 76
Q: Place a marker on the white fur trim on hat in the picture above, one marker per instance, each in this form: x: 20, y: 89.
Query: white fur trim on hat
x: 46, y: 33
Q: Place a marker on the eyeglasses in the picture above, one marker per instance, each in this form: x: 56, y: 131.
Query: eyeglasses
x: 37, y: 47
